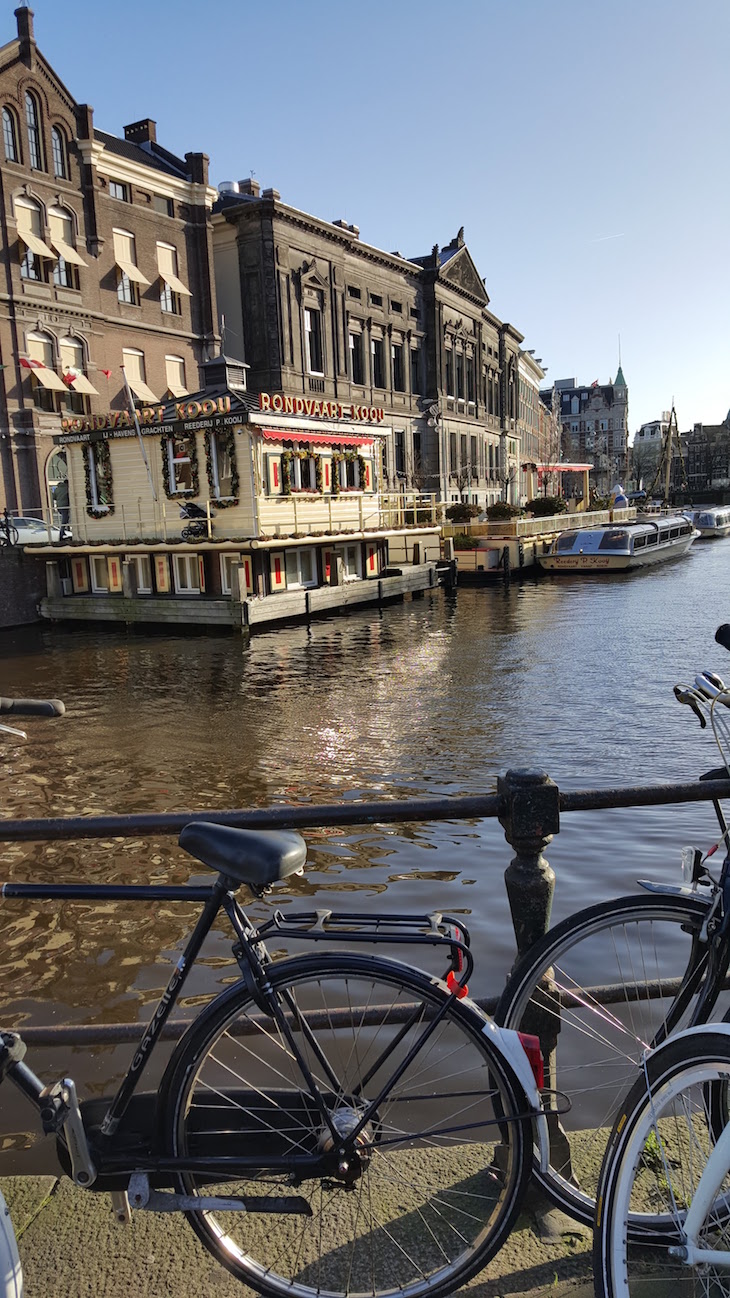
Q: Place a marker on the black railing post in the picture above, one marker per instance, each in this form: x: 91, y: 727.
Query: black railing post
x: 530, y: 818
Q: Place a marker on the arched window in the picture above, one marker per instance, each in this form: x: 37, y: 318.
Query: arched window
x: 33, y: 122
x: 58, y: 149
x: 46, y: 383
x: 35, y: 255
x: 10, y: 136
x: 61, y: 225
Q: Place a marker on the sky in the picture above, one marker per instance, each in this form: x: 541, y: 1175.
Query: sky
x: 583, y: 146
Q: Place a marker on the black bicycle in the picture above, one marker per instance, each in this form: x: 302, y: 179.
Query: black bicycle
x: 372, y: 1110
x: 9, y: 534
x: 199, y: 527
x: 617, y: 978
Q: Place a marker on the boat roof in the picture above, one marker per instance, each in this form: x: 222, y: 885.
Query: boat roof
x: 590, y: 539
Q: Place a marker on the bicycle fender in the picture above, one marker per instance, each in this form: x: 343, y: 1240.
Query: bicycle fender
x: 11, y: 1274
x: 508, y: 1043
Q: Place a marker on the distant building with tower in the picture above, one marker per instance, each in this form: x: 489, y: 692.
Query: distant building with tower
x: 594, y: 426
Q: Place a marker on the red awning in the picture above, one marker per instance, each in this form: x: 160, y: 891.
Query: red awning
x: 317, y: 439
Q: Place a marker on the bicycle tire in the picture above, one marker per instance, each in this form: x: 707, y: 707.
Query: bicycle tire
x: 9, y: 535
x: 412, y: 1225
x: 635, y: 939
x: 657, y: 1150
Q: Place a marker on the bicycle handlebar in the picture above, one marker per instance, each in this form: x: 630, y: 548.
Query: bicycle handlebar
x: 33, y: 707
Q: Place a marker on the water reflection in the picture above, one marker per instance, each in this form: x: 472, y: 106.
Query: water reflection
x: 436, y: 696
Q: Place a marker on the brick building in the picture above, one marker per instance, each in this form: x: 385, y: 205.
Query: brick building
x: 594, y: 421
x: 107, y: 261
x: 319, y: 314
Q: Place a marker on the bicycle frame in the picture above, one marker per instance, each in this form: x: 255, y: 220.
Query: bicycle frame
x: 57, y: 1105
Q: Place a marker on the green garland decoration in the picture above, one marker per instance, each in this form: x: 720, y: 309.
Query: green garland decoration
x: 227, y: 442
x: 104, y: 482
x: 286, y: 475
x: 195, y: 491
x: 350, y: 457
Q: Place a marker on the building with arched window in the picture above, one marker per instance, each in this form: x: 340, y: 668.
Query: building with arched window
x: 108, y: 253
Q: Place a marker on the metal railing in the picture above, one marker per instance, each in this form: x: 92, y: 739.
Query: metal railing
x: 528, y: 805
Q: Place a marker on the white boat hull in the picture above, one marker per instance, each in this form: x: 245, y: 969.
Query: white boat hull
x: 608, y: 562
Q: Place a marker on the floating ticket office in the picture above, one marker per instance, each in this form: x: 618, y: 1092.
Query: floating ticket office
x: 290, y: 519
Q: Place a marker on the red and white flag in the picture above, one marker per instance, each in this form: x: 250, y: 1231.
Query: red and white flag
x: 31, y: 365
x: 107, y: 374
x: 70, y: 378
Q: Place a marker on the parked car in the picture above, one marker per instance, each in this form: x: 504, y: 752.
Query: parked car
x: 33, y: 531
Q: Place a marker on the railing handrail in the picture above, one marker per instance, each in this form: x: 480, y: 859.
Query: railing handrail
x: 393, y: 811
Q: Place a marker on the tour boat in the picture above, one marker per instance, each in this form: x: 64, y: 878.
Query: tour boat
x: 713, y: 520
x: 620, y: 547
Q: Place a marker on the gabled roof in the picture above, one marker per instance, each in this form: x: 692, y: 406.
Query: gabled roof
x: 455, y: 266
x: 152, y: 155
x: 619, y: 381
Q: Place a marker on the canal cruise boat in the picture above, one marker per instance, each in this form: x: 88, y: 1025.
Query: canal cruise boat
x: 622, y: 547
x: 713, y: 520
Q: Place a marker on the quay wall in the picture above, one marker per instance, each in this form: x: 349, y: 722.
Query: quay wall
x: 22, y: 586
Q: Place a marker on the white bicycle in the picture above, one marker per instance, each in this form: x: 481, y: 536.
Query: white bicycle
x: 663, y: 1200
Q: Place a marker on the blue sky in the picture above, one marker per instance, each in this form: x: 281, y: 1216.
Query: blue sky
x: 583, y: 146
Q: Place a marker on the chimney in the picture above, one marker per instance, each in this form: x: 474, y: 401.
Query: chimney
x: 25, y: 32
x: 250, y: 187
x: 144, y: 132
x: 197, y: 167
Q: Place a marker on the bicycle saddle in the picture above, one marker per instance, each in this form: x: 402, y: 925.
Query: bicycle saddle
x: 255, y: 857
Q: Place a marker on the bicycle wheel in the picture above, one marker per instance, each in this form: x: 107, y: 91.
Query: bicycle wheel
x: 656, y: 1154
x: 598, y: 990
x: 9, y: 535
x: 439, y: 1170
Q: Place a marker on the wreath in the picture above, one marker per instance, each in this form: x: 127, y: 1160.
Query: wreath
x: 193, y: 451
x: 286, y: 474
x: 350, y: 457
x: 104, y: 485
x: 227, y: 443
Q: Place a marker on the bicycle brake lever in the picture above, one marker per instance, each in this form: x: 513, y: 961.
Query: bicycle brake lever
x: 685, y: 694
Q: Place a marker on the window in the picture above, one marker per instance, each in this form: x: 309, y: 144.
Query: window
x: 142, y: 570
x: 175, y: 375
x: 134, y: 368
x: 348, y: 471
x: 474, y: 463
x: 459, y: 376
x: 416, y: 452
x: 376, y: 299
x: 71, y: 354
x: 221, y: 465
x: 187, y: 574
x: 129, y: 276
x: 415, y: 370
x: 58, y: 152
x: 163, y: 205
x: 396, y: 356
x: 356, y: 363
x: 449, y: 373
x: 303, y: 473
x: 45, y: 381
x: 313, y: 340
x: 354, y: 292
x: 32, y: 121
x: 471, y: 394
x: 396, y: 306
x: 118, y: 190
x: 65, y: 274
x: 35, y: 255
x: 172, y: 288
x: 180, y: 463
x: 452, y: 453
x: 463, y: 450
x: 10, y: 136
x: 300, y: 568
x: 98, y: 495
x: 400, y: 452
x: 414, y: 313
x: 351, y: 567
x: 378, y: 368
x: 99, y: 574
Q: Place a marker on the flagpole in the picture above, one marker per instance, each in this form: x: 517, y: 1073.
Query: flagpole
x: 133, y: 412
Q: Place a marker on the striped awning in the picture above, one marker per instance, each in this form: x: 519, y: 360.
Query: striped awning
x: 314, y: 439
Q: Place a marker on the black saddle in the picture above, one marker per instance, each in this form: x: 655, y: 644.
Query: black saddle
x: 256, y: 857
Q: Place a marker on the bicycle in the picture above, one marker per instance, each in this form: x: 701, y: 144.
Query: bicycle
x: 372, y: 1109
x: 617, y: 978
x: 199, y: 527
x: 9, y: 534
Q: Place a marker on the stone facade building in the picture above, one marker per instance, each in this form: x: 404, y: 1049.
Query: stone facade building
x: 318, y: 314
x: 107, y: 261
x: 594, y: 420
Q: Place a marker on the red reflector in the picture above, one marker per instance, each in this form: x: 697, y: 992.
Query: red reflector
x: 452, y: 983
x: 531, y: 1047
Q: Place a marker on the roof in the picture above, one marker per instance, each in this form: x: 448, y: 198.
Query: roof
x: 619, y: 381
x: 152, y: 155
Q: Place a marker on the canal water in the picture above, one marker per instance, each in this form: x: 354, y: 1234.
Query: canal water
x: 436, y: 696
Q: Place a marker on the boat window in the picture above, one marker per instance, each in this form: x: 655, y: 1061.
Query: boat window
x: 614, y: 540
x: 705, y: 520
x: 565, y: 542
x: 639, y: 541
x: 673, y: 533
x: 652, y: 540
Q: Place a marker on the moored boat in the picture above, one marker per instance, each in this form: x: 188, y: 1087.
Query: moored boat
x: 620, y: 547
x: 712, y: 520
